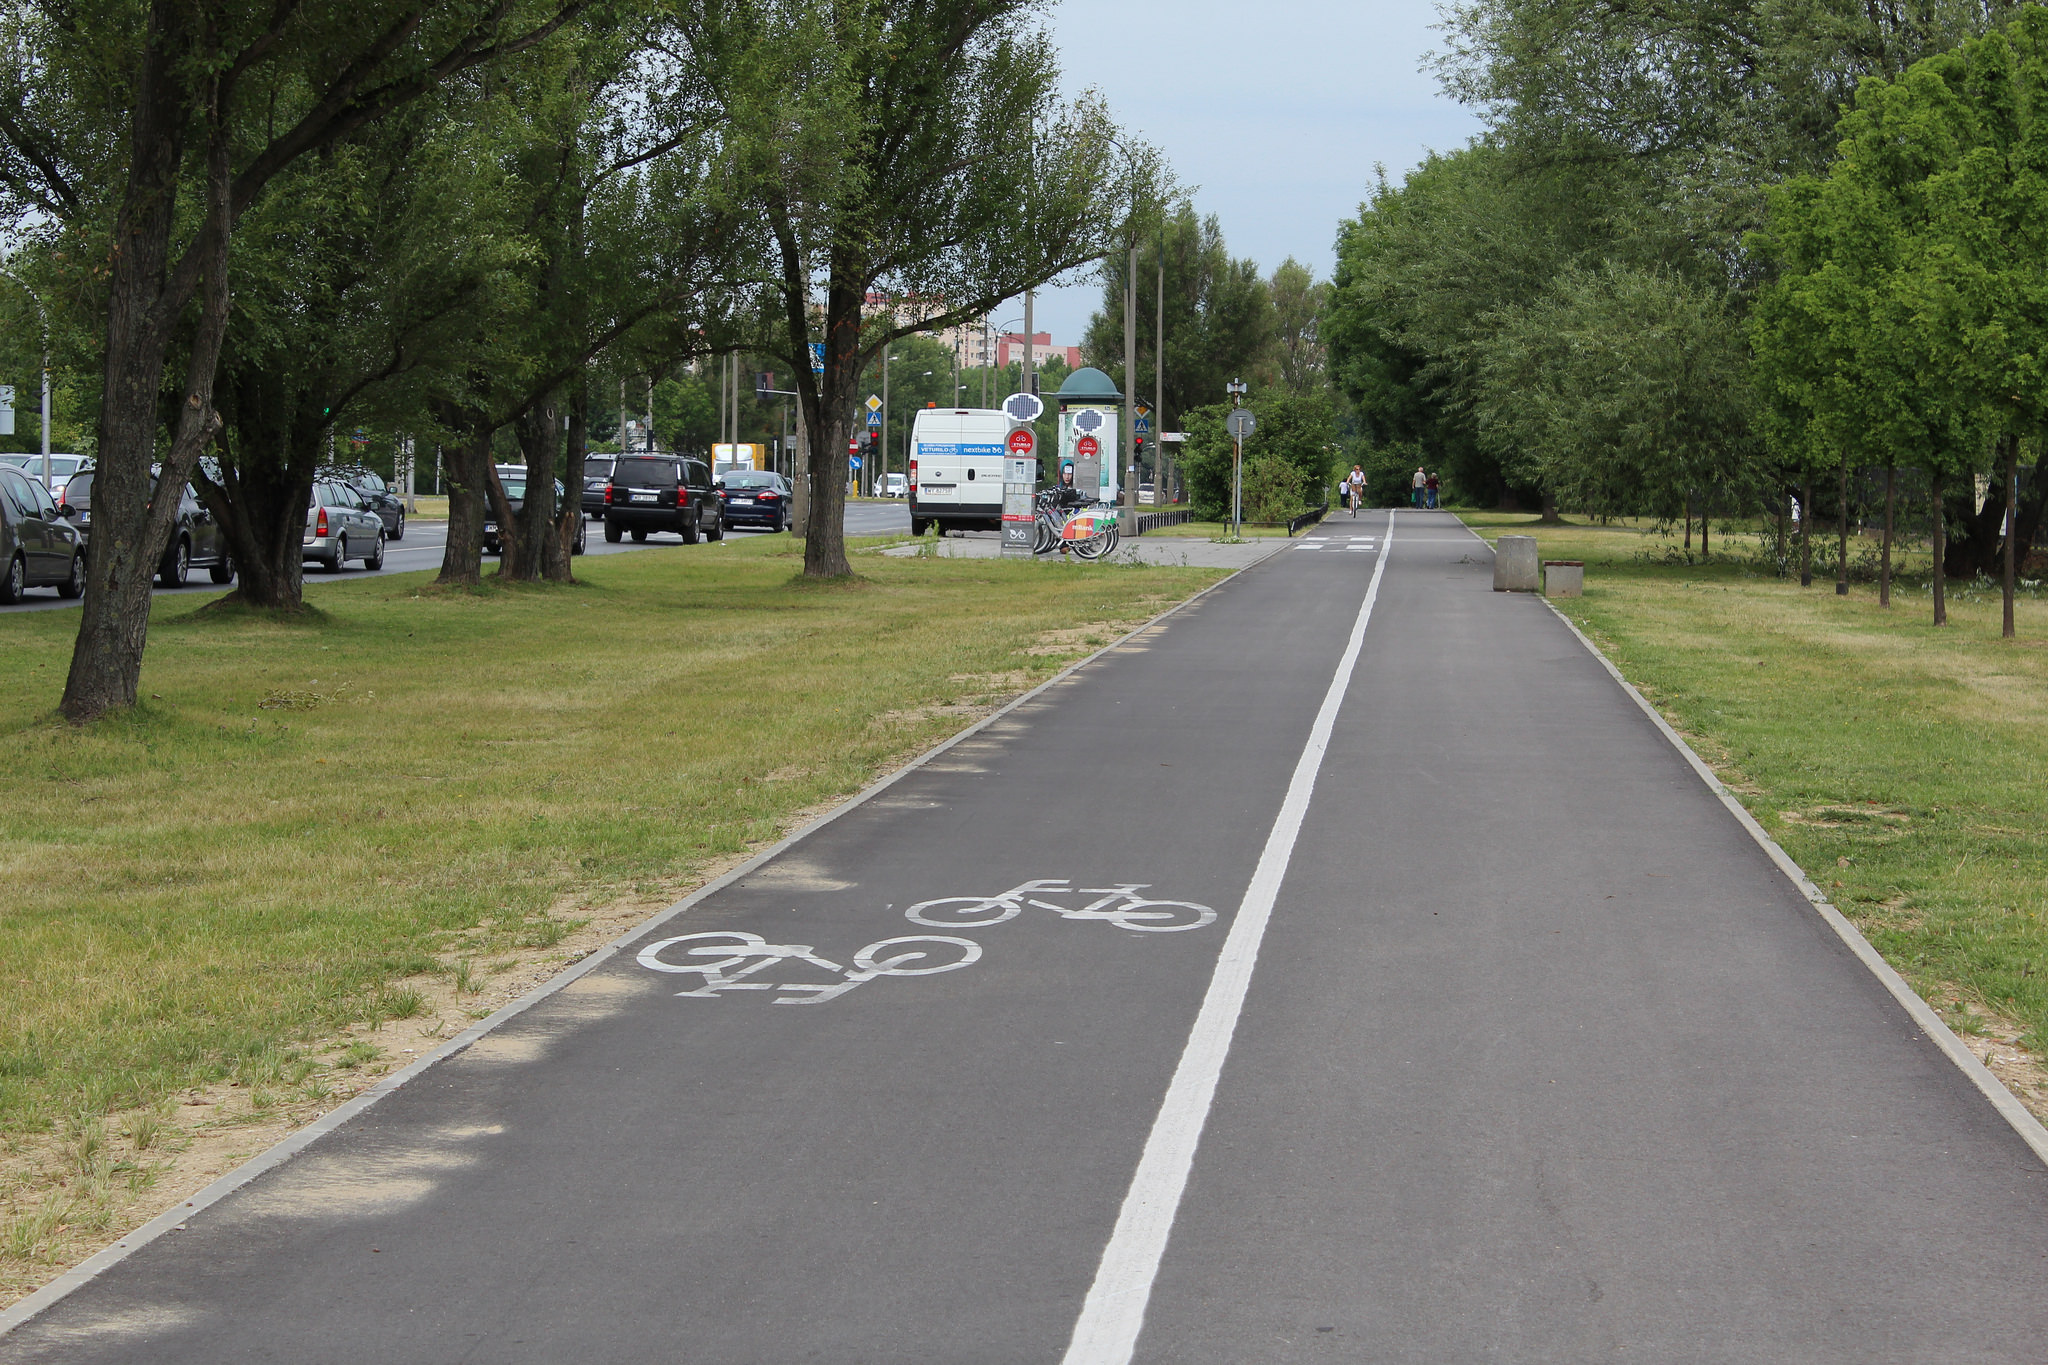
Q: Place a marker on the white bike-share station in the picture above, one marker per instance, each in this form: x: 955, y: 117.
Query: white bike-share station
x: 1020, y: 475
x: 1090, y: 410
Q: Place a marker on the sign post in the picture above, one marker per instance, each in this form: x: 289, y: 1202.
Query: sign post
x: 1020, y: 488
x: 1240, y: 424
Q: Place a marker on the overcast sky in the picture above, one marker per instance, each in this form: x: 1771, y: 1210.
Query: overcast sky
x: 1277, y: 111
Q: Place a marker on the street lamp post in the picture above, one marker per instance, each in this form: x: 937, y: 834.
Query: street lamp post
x: 1236, y: 389
x: 44, y: 318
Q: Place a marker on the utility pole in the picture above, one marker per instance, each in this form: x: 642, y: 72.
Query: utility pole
x: 1236, y: 389
x: 1030, y: 360
x: 1159, y: 386
x: 1128, y: 494
x: 883, y: 444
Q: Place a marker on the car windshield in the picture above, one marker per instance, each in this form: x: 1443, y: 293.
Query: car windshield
x: 61, y: 466
x: 78, y: 493
x: 740, y: 478
x: 515, y: 486
x: 597, y: 469
x: 645, y: 473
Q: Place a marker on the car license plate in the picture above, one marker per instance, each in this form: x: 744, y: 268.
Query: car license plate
x: 643, y: 497
x: 743, y: 502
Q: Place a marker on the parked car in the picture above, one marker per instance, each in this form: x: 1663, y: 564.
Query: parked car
x: 752, y: 497
x: 662, y: 493
x: 196, y: 540
x: 513, y: 476
x: 38, y: 548
x: 62, y: 467
x: 895, y: 486
x: 340, y: 527
x: 597, y: 472
x: 379, y: 496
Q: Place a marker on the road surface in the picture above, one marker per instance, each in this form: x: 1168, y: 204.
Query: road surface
x: 1344, y: 970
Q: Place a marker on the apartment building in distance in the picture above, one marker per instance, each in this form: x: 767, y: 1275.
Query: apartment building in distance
x: 972, y: 344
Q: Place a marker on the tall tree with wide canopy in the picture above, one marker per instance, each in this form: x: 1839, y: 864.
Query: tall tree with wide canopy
x: 913, y: 166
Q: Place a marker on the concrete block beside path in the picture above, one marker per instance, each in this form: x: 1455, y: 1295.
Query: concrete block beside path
x: 1514, y: 564
x: 1564, y: 578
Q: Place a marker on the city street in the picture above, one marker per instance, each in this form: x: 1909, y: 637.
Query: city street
x: 1343, y: 969
x: 425, y: 540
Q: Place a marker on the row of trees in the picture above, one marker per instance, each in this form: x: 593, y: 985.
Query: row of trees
x: 1671, y: 279
x: 469, y: 219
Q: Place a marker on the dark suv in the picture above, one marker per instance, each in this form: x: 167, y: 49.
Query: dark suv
x: 662, y: 493
x: 513, y: 476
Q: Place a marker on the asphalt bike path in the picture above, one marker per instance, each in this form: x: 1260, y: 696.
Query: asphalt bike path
x: 1545, y: 1060
x: 1426, y: 1007
x: 816, y: 1153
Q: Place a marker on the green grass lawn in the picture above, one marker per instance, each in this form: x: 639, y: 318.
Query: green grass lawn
x: 301, y: 817
x: 1901, y: 765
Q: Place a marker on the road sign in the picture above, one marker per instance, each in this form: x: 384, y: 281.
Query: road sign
x: 1024, y: 407
x: 874, y: 403
x: 1022, y: 442
x: 874, y: 421
x: 1087, y: 447
x: 817, y: 357
x: 1241, y: 422
x: 1142, y: 424
x: 856, y: 462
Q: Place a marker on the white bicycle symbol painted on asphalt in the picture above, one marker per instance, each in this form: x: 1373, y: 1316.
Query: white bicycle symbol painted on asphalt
x: 731, y: 956
x: 1120, y: 905
x: 727, y: 959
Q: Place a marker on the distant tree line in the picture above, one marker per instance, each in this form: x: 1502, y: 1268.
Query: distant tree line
x: 1726, y: 259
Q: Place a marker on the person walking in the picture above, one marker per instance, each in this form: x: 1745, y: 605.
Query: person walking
x: 1434, y: 483
x: 1354, y: 488
x: 1421, y: 486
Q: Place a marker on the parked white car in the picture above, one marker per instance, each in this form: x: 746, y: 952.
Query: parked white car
x: 894, y: 486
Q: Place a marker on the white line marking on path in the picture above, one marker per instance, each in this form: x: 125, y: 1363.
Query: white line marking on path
x: 1107, y: 1332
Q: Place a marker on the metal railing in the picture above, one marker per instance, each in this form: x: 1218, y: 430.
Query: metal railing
x: 1308, y: 518
x: 1152, y: 521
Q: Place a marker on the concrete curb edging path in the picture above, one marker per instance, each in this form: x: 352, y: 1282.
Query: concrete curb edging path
x: 172, y: 1220
x: 2030, y: 1129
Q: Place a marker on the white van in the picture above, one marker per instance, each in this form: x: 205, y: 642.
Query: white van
x: 956, y: 469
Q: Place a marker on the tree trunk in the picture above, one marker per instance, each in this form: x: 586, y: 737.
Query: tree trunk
x: 539, y: 429
x: 1688, y: 526
x: 2011, y: 476
x: 1784, y: 530
x: 1940, y: 537
x: 1550, y: 516
x: 467, y: 466
x: 1706, y: 510
x: 1806, y: 529
x: 1842, y: 531
x: 825, y: 529
x: 106, y: 661
x: 561, y: 566
x: 1884, y: 569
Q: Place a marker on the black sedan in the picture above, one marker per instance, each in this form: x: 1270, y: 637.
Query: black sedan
x: 597, y: 472
x: 513, y: 476
x: 752, y: 497
x: 196, y: 541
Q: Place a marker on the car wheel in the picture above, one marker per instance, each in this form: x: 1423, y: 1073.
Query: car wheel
x: 74, y: 584
x: 639, y: 534
x: 918, y: 525
x: 693, y: 527
x: 339, y: 563
x: 376, y: 559
x: 576, y: 545
x: 223, y: 570
x: 398, y: 531
x: 611, y: 533
x: 177, y: 565
x: 718, y: 527
x: 16, y: 582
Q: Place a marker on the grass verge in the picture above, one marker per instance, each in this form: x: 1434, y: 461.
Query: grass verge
x: 322, y: 839
x: 1900, y: 765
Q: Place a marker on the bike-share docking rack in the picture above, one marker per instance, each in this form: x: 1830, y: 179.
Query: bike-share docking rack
x: 728, y: 959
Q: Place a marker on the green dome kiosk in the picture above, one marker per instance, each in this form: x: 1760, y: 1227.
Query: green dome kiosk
x: 1090, y: 408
